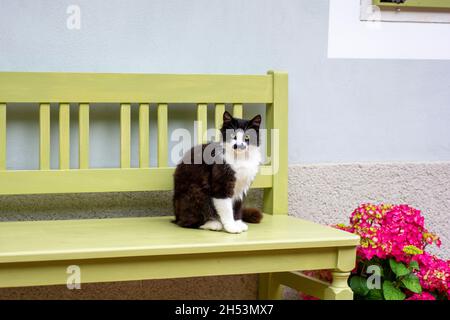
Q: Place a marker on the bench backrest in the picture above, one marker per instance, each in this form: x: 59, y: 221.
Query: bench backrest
x: 84, y: 89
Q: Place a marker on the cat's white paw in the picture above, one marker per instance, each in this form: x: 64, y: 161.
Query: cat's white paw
x: 235, y: 227
x: 243, y: 225
x: 213, y: 225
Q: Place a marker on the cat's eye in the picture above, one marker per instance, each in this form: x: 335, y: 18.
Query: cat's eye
x: 233, y: 136
x: 247, y: 137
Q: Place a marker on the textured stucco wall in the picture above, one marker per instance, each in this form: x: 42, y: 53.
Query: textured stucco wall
x: 323, y: 193
x: 328, y: 193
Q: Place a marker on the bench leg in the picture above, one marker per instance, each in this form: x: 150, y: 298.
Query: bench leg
x: 269, y: 288
x: 339, y: 289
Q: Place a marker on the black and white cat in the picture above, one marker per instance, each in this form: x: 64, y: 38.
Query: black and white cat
x: 212, y: 179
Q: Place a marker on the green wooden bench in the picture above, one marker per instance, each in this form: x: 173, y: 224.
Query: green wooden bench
x: 34, y: 253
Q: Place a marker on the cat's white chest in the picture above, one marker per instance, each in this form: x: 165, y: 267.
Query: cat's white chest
x: 244, y: 172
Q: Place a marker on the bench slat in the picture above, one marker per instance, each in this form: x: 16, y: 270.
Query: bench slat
x: 219, y: 110
x: 125, y: 135
x: 276, y: 199
x: 163, y: 152
x: 83, y: 135
x: 237, y: 110
x: 133, y: 88
x: 96, y: 180
x: 2, y: 136
x: 144, y: 130
x: 202, y: 123
x: 44, y: 136
x: 64, y: 136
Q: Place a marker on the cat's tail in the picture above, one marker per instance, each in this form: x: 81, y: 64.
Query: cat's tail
x: 252, y: 215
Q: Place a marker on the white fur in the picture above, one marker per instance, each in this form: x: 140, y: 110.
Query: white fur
x: 214, y: 225
x: 242, y: 225
x: 224, y: 208
x: 245, y: 164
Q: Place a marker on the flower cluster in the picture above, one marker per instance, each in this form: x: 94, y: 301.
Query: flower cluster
x: 395, y: 235
x: 389, y: 231
x: 434, y: 273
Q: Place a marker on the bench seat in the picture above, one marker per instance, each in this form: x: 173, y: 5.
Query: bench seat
x: 89, y: 242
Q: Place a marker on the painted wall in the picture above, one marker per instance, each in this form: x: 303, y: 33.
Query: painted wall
x: 340, y: 110
x: 359, y: 21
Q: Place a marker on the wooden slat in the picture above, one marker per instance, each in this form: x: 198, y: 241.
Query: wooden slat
x: 276, y: 199
x: 83, y: 135
x: 238, y: 111
x: 125, y: 135
x: 415, y: 4
x: 162, y: 136
x: 144, y: 132
x: 299, y: 281
x: 95, y: 180
x: 2, y: 136
x: 44, y: 136
x: 202, y: 123
x: 98, y: 87
x: 64, y: 136
x: 218, y: 117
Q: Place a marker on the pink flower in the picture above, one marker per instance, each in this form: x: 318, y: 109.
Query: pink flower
x: 434, y: 273
x: 422, y: 296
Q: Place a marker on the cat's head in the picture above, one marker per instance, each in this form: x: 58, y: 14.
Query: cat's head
x: 240, y: 134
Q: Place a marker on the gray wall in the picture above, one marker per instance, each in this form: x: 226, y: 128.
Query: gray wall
x: 340, y: 110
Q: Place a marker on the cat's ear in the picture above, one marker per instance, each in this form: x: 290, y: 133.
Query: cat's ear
x: 256, y: 122
x: 227, y: 117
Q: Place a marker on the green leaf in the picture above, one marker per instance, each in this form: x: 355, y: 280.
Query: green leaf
x: 375, y: 294
x: 359, y: 285
x: 414, y: 266
x: 390, y: 292
x: 398, y: 268
x: 411, y: 282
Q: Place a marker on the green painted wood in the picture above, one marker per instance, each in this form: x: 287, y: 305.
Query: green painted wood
x: 276, y: 199
x: 202, y: 123
x: 238, y: 110
x: 268, y: 287
x: 132, y: 237
x: 218, y: 119
x: 2, y: 136
x: 44, y: 136
x: 95, y: 180
x: 64, y: 136
x: 83, y: 135
x: 125, y: 135
x: 133, y: 88
x: 166, y: 266
x: 144, y: 136
x: 417, y: 4
x: 163, y: 143
x: 299, y: 281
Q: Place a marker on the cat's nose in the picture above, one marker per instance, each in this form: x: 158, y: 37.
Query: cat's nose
x: 239, y: 146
